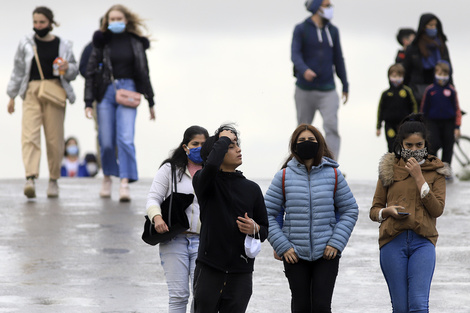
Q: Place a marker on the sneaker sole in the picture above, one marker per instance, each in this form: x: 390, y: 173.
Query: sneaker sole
x: 52, y: 196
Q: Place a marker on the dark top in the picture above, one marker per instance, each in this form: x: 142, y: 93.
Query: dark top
x: 122, y: 56
x: 223, y: 197
x: 48, y: 51
x: 395, y: 104
x: 84, y: 59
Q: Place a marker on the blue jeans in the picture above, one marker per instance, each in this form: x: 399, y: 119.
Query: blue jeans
x: 408, y: 263
x: 178, y: 257
x: 116, y: 125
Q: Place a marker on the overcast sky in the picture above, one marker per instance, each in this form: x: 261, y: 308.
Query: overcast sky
x: 217, y: 61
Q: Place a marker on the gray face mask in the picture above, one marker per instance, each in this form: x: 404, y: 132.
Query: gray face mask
x: 419, y: 155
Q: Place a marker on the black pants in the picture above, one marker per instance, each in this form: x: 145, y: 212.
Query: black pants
x: 391, y: 130
x: 216, y: 291
x: 441, y: 135
x: 312, y: 284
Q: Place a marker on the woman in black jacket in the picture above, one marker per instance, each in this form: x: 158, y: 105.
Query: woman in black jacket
x: 118, y: 61
x: 423, y: 54
x: 231, y: 207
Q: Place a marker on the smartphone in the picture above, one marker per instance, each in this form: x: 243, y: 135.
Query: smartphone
x: 403, y: 213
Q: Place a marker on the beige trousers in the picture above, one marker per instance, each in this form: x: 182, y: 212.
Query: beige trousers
x: 36, y: 114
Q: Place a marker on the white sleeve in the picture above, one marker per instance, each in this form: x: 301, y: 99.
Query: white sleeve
x: 158, y: 191
x: 424, y: 190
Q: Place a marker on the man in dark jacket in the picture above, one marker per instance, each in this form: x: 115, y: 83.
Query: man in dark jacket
x: 317, y: 54
x: 231, y: 207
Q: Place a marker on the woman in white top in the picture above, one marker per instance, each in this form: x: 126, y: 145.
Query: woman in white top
x: 178, y: 256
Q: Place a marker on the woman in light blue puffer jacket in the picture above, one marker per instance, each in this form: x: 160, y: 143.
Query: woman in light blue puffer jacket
x: 320, y: 214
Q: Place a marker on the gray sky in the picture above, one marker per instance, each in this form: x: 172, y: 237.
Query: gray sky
x: 217, y: 61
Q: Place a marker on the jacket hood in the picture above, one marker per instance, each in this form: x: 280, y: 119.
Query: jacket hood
x: 100, y: 39
x: 393, y: 169
x: 426, y: 18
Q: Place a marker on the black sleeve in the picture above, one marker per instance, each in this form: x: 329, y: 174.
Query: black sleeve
x: 96, y: 57
x: 84, y: 59
x: 260, y: 216
x: 204, y: 179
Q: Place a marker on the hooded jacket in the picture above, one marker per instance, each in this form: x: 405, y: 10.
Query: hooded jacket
x: 310, y: 223
x: 24, y: 57
x: 396, y: 187
x: 415, y: 73
x: 223, y: 197
x: 318, y: 49
x: 99, y: 68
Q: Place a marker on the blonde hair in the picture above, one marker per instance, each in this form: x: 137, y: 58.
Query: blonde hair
x: 134, y: 23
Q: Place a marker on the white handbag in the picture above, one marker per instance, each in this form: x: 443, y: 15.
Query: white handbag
x: 252, y: 245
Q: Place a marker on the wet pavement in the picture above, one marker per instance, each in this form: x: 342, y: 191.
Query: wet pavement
x: 80, y: 253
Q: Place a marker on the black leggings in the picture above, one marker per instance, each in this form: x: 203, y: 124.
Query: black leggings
x: 311, y: 284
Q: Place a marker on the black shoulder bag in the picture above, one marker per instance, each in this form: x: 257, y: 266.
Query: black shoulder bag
x: 173, y: 213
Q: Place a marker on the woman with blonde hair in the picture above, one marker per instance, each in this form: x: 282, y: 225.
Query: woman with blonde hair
x: 118, y: 61
x: 34, y: 61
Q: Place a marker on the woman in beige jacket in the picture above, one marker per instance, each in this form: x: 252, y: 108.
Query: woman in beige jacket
x: 410, y: 195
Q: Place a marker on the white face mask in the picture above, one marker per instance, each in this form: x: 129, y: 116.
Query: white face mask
x: 326, y: 13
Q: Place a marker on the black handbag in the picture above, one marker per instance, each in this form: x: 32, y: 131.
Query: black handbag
x: 173, y: 213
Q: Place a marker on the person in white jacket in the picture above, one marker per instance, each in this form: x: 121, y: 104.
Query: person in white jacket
x: 25, y: 82
x: 178, y: 256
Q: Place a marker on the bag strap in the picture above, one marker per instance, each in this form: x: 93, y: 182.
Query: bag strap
x: 284, y: 184
x: 37, y: 62
x: 173, y: 182
x: 336, y: 181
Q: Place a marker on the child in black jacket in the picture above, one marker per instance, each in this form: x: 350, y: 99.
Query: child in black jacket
x: 231, y: 207
x: 395, y: 103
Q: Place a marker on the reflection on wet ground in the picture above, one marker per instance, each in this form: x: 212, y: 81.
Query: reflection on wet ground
x: 80, y: 253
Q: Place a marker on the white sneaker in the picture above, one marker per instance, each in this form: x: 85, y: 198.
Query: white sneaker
x: 105, y: 191
x: 29, y: 189
x: 53, y: 189
x: 124, y: 195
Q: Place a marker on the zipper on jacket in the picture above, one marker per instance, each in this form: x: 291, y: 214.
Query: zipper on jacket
x: 310, y: 215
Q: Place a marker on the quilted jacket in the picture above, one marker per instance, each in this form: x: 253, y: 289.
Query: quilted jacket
x: 310, y: 223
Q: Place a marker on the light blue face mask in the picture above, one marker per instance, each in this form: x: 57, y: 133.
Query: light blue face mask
x: 431, y: 32
x: 72, y: 150
x: 195, y: 155
x: 117, y: 27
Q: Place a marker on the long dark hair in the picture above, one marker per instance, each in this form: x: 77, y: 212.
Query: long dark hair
x: 323, y: 150
x: 178, y: 157
x: 411, y: 124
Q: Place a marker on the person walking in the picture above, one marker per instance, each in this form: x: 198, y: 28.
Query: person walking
x: 178, y: 256
x: 409, y: 197
x: 118, y: 61
x: 34, y: 61
x: 440, y: 107
x: 422, y: 55
x: 232, y: 208
x: 395, y: 104
x: 320, y: 215
x: 317, y: 54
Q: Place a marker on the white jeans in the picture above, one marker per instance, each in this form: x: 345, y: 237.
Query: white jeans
x: 178, y: 258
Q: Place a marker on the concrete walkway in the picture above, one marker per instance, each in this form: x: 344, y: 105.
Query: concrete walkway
x: 80, y: 253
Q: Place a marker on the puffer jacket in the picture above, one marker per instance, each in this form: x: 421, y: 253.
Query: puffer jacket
x: 310, y: 223
x: 24, y: 57
x: 396, y: 187
x: 99, y: 68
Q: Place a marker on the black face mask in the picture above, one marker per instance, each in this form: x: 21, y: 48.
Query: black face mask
x: 42, y: 32
x: 307, y: 150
